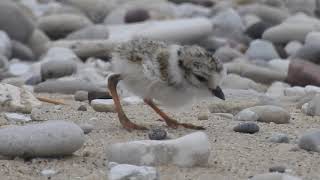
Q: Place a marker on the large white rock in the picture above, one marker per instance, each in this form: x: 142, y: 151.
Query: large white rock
x: 187, y: 151
x: 261, y: 50
x: 310, y: 141
x: 132, y: 172
x: 14, y: 99
x: 51, y: 138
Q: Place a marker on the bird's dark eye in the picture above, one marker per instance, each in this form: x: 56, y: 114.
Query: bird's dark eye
x: 200, y: 78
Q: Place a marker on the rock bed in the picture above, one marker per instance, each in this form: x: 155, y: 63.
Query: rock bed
x: 57, y: 120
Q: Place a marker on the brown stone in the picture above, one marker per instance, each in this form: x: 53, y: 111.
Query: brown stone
x: 302, y: 73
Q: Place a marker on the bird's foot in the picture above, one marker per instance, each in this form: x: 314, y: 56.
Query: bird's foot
x: 175, y: 124
x: 129, y: 126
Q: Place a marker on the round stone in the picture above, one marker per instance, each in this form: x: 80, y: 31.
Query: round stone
x: 249, y: 128
x: 157, y: 134
x: 280, y: 169
x: 136, y: 15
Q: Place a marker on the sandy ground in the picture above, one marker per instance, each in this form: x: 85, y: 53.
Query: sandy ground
x: 234, y: 156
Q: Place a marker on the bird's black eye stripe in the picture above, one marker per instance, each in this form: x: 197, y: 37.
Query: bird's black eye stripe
x: 200, y: 78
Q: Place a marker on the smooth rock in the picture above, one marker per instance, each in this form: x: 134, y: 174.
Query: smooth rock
x: 38, y: 42
x: 294, y: 91
x: 14, y: 99
x: 60, y: 25
x: 308, y: 52
x: 95, y: 32
x: 256, y: 30
x: 136, y: 15
x: 15, y: 117
x: 312, y: 38
x: 279, y: 138
x: 234, y: 81
x: 309, y: 89
x: 81, y: 96
x: 248, y: 127
x: 279, y: 169
x: 21, y: 27
x: 266, y: 114
x: 96, y: 10
x: 131, y: 172
x: 103, y: 105
x: 66, y: 86
x: 303, y: 73
x: 58, y: 62
x: 312, y: 108
x: 33, y: 80
x: 274, y: 176
x: 188, y: 151
x: 293, y: 47
x: 21, y: 51
x: 262, y: 50
x: 48, y: 172
x: 287, y: 32
x: 246, y: 115
x: 5, y: 44
x: 4, y: 64
x: 203, y: 115
x: 48, y: 139
x: 305, y: 6
x: 279, y: 65
x: 18, y: 68
x: 157, y: 134
x: 87, y: 128
x: 310, y: 140
x: 227, y: 54
x: 189, y: 10
x: 82, y: 108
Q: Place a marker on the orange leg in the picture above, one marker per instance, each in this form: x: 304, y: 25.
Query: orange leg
x: 169, y: 121
x: 126, y: 123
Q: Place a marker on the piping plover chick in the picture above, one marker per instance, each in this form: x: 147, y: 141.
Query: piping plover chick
x: 172, y: 74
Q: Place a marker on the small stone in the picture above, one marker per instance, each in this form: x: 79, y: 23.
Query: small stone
x: 15, y: 117
x: 127, y: 171
x: 157, y: 134
x: 262, y: 50
x: 279, y: 138
x: 310, y: 141
x: 136, y: 15
x: 36, y: 114
x: 48, y: 172
x: 204, y: 115
x: 82, y: 108
x: 312, y: 108
x: 87, y: 128
x: 246, y: 115
x: 249, y: 127
x: 38, y: 43
x: 293, y: 47
x: 279, y: 169
x: 48, y: 139
x: 81, y: 96
x: 103, y: 105
x: 98, y: 95
x: 256, y: 30
x: 274, y: 176
x: 189, y: 151
x: 294, y: 91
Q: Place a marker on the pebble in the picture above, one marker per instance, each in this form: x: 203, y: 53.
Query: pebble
x: 5, y: 45
x: 274, y: 176
x: 157, y: 134
x: 15, y: 117
x: 279, y: 138
x: 95, y: 32
x: 277, y: 89
x: 203, y: 115
x: 267, y: 113
x: 81, y: 96
x: 256, y: 30
x: 136, y: 15
x: 87, y: 128
x: 298, y: 6
x: 294, y: 91
x: 14, y: 99
x: 68, y: 86
x: 190, y: 150
x: 249, y: 127
x: 103, y: 105
x: 38, y: 42
x: 21, y: 21
x: 21, y: 51
x: 312, y: 108
x: 58, y: 26
x: 48, y: 139
x: 18, y: 68
x: 279, y: 169
x: 293, y: 47
x: 98, y: 95
x: 234, y: 81
x: 82, y: 108
x: 261, y: 50
x: 310, y: 140
x: 48, y: 172
x: 227, y: 54
x: 128, y: 171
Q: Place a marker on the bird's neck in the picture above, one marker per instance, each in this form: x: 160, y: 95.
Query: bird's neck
x: 176, y: 74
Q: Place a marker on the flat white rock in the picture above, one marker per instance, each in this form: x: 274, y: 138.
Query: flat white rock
x: 187, y: 151
x: 15, y: 117
x: 131, y: 172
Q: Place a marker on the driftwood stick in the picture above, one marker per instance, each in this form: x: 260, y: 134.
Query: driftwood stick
x: 52, y: 101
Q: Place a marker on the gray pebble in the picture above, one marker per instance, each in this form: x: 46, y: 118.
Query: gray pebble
x: 48, y: 139
x: 82, y: 108
x: 280, y: 169
x: 81, y: 96
x: 248, y: 127
x: 96, y: 32
x: 310, y: 141
x: 21, y: 51
x: 157, y: 134
x: 279, y: 138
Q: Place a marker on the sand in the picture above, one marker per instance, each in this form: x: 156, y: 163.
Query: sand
x: 234, y: 156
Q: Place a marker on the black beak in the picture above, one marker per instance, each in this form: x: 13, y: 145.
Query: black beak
x: 218, y: 93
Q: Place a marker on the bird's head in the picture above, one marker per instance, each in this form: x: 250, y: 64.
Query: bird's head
x: 201, y: 69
